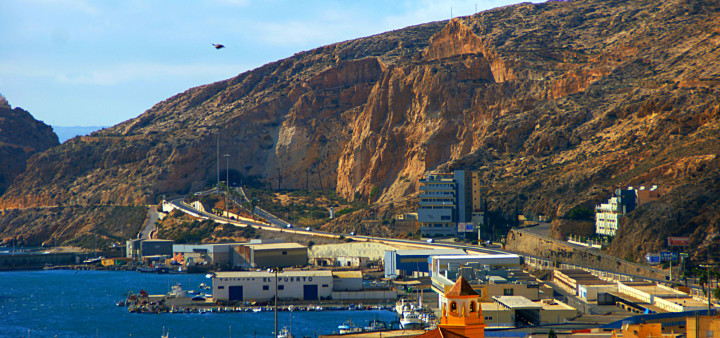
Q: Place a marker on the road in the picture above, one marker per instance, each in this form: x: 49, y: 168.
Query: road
x: 279, y: 225
x: 149, y: 228
x: 260, y: 212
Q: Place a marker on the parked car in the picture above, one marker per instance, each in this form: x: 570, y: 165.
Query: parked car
x: 430, y: 240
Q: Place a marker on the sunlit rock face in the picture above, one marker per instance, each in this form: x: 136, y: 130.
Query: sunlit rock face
x: 556, y: 104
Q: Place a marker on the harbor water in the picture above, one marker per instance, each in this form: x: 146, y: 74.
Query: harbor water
x: 69, y: 303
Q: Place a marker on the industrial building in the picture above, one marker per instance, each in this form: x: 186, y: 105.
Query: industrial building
x: 273, y: 255
x: 140, y: 248
x: 441, y: 263
x: 412, y: 262
x: 647, y: 297
x: 260, y: 285
x: 582, y: 284
x: 222, y: 255
x: 295, y: 285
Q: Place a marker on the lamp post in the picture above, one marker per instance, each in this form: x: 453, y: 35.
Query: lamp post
x: 276, y: 298
x: 227, y: 184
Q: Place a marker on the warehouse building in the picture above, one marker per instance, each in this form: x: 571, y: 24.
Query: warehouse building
x: 139, y: 248
x: 412, y: 262
x: 260, y: 285
x: 222, y: 255
x: 273, y: 255
x: 441, y: 263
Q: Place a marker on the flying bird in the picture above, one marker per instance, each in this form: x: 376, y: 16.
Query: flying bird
x: 218, y: 46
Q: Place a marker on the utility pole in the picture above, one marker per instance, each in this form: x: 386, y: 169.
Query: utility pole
x: 227, y: 184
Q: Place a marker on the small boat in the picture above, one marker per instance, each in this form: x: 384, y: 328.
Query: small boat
x: 93, y: 260
x: 284, y: 333
x: 411, y: 320
x: 376, y: 325
x: 348, y: 327
x: 257, y: 309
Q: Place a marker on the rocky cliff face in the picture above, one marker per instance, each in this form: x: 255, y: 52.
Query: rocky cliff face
x: 21, y: 136
x: 556, y: 104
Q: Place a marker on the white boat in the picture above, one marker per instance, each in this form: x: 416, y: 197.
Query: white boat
x: 257, y: 309
x: 376, y: 325
x: 284, y: 333
x: 349, y: 327
x: 410, y: 320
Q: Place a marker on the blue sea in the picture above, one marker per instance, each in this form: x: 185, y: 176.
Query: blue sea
x: 66, y: 303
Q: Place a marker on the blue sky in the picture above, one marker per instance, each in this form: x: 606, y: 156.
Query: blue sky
x: 98, y: 63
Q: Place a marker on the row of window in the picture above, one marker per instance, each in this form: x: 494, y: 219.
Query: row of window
x: 282, y: 287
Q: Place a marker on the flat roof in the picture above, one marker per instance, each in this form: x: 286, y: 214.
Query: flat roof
x: 275, y: 246
x: 347, y: 274
x: 687, y: 301
x: 517, y: 302
x: 467, y: 257
x: 266, y: 273
x: 430, y: 252
x: 657, y: 290
x: 552, y: 304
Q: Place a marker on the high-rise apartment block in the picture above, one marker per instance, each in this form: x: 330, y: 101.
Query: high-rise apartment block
x: 448, y: 200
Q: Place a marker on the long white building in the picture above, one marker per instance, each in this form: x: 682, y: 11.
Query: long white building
x: 260, y: 285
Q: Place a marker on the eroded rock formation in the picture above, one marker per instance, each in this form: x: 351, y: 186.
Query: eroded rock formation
x: 556, y: 104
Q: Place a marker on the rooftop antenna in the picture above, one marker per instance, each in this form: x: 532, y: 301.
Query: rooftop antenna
x: 218, y: 159
x: 451, y: 13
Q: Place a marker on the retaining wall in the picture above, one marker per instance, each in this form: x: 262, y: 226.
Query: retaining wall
x: 561, y: 252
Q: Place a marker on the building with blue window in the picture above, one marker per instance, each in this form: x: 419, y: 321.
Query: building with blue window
x: 412, y: 262
x: 447, y: 199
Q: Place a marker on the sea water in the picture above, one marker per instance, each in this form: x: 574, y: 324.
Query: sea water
x: 68, y: 303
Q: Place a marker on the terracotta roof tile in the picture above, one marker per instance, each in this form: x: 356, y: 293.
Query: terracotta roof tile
x: 440, y: 333
x: 461, y: 288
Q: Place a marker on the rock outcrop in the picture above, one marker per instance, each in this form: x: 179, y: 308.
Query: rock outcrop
x: 556, y: 104
x: 21, y: 136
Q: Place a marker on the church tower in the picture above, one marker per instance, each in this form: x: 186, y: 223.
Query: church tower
x: 461, y: 311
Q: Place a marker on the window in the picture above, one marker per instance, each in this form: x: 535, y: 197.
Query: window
x: 324, y: 285
x: 453, y: 307
x: 266, y: 287
x: 281, y: 287
x: 220, y: 287
x: 472, y: 306
x: 284, y: 252
x: 508, y: 292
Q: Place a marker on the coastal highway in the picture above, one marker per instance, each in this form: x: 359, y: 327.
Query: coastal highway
x: 182, y: 206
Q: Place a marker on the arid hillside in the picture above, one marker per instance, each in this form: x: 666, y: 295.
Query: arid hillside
x: 557, y: 104
x: 21, y: 136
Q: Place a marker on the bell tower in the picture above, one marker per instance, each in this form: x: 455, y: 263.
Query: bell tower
x: 461, y: 311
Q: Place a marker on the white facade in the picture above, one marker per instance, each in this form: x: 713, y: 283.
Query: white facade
x: 607, y: 216
x: 260, y: 285
x: 439, y: 264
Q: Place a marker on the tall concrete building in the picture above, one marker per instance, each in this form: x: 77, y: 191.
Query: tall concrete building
x: 607, y: 215
x: 447, y: 199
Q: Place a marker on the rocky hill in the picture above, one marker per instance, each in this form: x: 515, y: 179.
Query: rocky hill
x: 21, y: 136
x: 557, y: 104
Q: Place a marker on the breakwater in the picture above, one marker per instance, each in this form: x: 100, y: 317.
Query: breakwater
x: 38, y: 260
